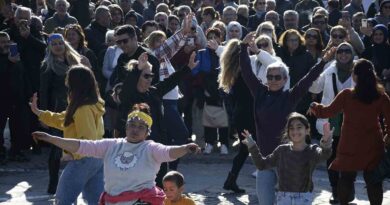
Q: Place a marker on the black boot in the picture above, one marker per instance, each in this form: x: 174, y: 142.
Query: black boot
x: 230, y: 184
x: 334, y: 199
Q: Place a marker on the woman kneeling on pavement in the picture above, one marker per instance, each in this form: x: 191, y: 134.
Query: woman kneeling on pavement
x: 131, y: 163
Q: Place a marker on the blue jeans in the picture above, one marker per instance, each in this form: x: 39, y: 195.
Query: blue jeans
x: 294, y: 198
x: 265, y: 186
x: 84, y: 175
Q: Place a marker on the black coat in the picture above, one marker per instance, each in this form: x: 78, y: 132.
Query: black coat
x: 14, y: 83
x: 52, y: 92
x: 32, y: 52
x: 80, y: 10
x: 153, y: 97
x: 254, y: 21
x: 95, y: 34
x: 379, y: 55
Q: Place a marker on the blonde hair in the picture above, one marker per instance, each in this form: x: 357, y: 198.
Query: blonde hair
x: 264, y: 37
x: 71, y: 56
x: 230, y: 65
x: 266, y: 24
x: 153, y: 37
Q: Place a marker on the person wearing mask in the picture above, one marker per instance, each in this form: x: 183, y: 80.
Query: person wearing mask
x: 337, y: 77
x: 272, y: 105
x: 15, y: 89
x: 95, y: 32
x: 256, y: 19
x: 61, y: 17
x: 361, y: 145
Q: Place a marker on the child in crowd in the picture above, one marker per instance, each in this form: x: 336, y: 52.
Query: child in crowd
x: 294, y: 161
x: 173, y: 183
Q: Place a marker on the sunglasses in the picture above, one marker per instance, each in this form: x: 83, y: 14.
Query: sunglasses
x: 148, y: 76
x: 311, y: 36
x: 338, y: 36
x: 346, y: 51
x: 263, y: 45
x: 274, y: 77
x: 318, y: 22
x: 124, y: 41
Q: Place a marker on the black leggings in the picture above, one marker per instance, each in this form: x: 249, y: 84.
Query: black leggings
x: 211, y: 135
x: 242, y: 154
x: 345, y: 184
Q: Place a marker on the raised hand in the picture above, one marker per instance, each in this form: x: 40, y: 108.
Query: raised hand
x: 311, y: 111
x: 329, y: 54
x: 34, y: 104
x: 248, y: 141
x: 143, y: 61
x: 249, y: 38
x: 187, y: 23
x: 191, y: 62
x: 328, y: 134
x: 212, y: 44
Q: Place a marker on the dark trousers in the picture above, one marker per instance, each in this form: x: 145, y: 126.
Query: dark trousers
x: 345, y: 185
x: 177, y: 132
x: 54, y: 163
x: 242, y: 154
x: 211, y: 135
x: 18, y: 124
x: 332, y: 174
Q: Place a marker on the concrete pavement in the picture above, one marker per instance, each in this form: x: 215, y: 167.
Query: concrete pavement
x: 25, y: 183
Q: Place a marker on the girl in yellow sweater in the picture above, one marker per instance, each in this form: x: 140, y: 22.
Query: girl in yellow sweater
x: 82, y: 119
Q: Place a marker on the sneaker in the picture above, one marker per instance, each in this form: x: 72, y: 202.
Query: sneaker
x: 254, y: 174
x: 208, y: 149
x: 224, y: 150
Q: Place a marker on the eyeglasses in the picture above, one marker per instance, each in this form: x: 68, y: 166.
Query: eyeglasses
x: 346, y: 51
x: 124, y: 41
x: 274, y: 77
x: 263, y: 45
x: 148, y: 76
x: 338, y: 36
x: 311, y: 36
x: 266, y: 30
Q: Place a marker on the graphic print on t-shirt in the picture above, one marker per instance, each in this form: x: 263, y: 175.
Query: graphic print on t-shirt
x: 126, y: 160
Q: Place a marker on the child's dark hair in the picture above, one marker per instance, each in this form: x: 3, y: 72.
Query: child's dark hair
x: 143, y: 107
x: 176, y: 177
x: 295, y: 116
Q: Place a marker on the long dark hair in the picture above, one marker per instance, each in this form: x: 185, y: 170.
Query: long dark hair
x: 82, y: 90
x: 367, y: 87
x: 301, y: 118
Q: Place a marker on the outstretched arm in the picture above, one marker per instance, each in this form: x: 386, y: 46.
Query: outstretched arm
x: 71, y: 145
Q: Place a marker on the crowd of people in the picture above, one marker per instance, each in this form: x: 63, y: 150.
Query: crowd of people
x: 118, y: 89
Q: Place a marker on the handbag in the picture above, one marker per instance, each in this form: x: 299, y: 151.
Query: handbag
x: 214, y: 116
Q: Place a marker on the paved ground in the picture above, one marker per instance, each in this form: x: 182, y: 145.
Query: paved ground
x: 25, y: 183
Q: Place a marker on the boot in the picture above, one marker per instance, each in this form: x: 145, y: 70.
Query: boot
x: 230, y: 184
x: 334, y: 199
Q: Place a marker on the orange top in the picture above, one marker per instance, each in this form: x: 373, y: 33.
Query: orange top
x: 183, y: 201
x: 361, y: 145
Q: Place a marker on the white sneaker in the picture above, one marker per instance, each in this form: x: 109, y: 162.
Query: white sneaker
x: 224, y: 150
x: 208, y: 149
x: 254, y: 174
